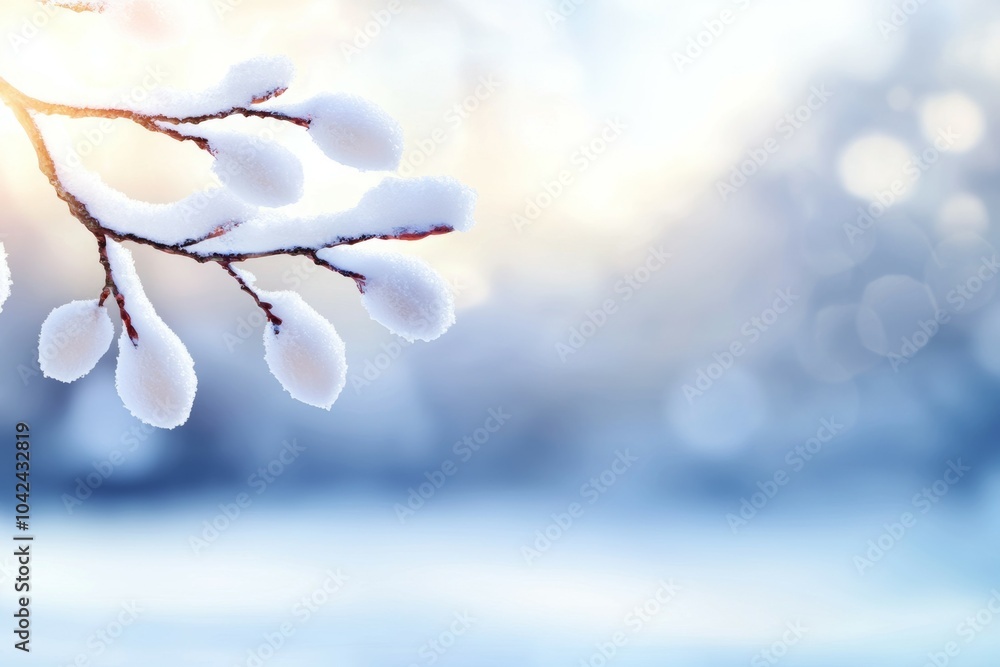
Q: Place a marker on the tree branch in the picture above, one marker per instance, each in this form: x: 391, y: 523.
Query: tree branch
x: 79, y: 6
x: 111, y: 288
x: 263, y: 305
x: 25, y: 107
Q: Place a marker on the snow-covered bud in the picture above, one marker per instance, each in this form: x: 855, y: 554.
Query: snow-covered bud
x: 305, y: 353
x: 259, y: 172
x: 152, y: 22
x: 155, y: 374
x: 73, y: 339
x: 353, y: 131
x: 402, y: 293
x: 4, y: 277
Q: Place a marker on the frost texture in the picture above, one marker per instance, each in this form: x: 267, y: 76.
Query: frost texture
x: 396, y: 207
x: 155, y: 374
x: 4, y: 277
x: 304, y: 353
x: 402, y: 293
x: 259, y: 172
x: 352, y: 131
x: 244, y: 83
x: 252, y: 215
x: 73, y: 339
x: 191, y: 219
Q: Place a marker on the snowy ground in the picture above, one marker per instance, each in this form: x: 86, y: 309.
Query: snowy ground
x: 353, y: 587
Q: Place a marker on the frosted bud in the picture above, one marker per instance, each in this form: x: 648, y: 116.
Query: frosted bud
x: 259, y: 172
x: 401, y: 293
x: 353, y: 131
x: 305, y: 353
x: 4, y: 277
x: 153, y: 22
x: 73, y: 339
x: 155, y: 374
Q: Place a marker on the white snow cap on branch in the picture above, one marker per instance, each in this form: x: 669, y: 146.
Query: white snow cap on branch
x: 73, y: 339
x: 191, y: 219
x: 260, y: 172
x: 4, y: 277
x: 155, y: 374
x: 395, y: 207
x: 251, y: 216
x: 244, y: 84
x: 402, y: 293
x: 304, y: 353
x: 350, y: 130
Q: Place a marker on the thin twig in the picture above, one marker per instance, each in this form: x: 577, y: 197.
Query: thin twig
x: 25, y: 107
x: 263, y: 305
x: 111, y: 288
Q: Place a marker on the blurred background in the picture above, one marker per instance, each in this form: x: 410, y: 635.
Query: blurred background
x: 721, y: 390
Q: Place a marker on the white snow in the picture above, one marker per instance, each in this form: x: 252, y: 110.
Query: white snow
x: 4, y: 277
x: 155, y: 376
x: 402, y: 293
x: 244, y: 83
x: 190, y: 219
x: 351, y: 130
x: 176, y: 223
x: 73, y: 339
x: 394, y: 207
x: 258, y: 171
x: 306, y: 354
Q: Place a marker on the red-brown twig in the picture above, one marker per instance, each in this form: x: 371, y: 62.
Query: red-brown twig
x: 26, y: 107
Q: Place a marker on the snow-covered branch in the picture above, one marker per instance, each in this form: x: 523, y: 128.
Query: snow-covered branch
x: 244, y: 219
